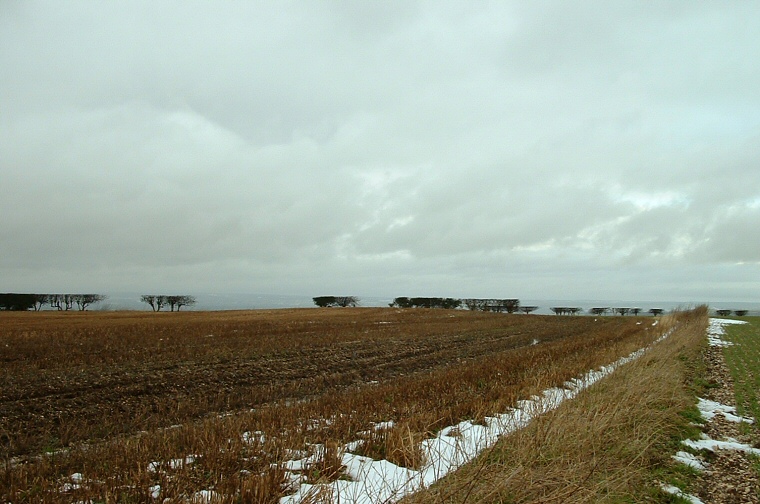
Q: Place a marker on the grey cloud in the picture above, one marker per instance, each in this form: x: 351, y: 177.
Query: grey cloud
x: 541, y: 147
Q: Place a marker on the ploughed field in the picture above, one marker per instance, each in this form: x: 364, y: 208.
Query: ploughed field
x: 90, y: 382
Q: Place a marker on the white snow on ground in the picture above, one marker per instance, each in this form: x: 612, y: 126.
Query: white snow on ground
x: 709, y: 410
x: 379, y: 481
x: 172, y: 464
x: 691, y: 460
x: 712, y: 445
x: 715, y: 331
x: 680, y: 493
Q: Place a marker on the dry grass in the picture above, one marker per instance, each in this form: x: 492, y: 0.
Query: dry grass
x: 434, y: 368
x: 607, y: 445
x: 399, y: 445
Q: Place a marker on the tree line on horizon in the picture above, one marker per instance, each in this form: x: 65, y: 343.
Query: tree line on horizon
x: 336, y: 301
x: 563, y: 310
x: 62, y: 302
x: 726, y: 313
x: 12, y: 301
x: 483, y: 304
x: 159, y: 301
x: 474, y: 304
x: 494, y: 305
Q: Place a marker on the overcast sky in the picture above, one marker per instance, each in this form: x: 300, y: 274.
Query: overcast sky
x: 563, y: 150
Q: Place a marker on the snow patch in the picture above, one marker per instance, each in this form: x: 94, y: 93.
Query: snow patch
x: 374, y: 481
x: 680, y: 493
x: 155, y: 491
x: 173, y: 464
x: 715, y: 330
x: 690, y: 460
x: 709, y: 409
x: 381, y: 426
x: 713, y: 445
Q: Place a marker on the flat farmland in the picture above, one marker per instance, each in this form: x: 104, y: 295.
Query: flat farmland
x: 97, y: 379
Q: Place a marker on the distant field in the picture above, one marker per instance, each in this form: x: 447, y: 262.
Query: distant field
x: 310, y: 375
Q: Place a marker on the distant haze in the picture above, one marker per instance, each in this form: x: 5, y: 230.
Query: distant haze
x: 131, y: 301
x: 538, y: 150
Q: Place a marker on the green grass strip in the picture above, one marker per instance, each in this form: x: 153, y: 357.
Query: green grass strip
x: 743, y: 361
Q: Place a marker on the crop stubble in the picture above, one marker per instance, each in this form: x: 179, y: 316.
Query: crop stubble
x: 71, y: 377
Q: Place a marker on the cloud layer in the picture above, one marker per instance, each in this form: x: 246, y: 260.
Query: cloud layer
x: 541, y: 150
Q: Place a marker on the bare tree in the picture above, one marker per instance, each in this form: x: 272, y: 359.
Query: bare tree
x: 507, y: 305
x: 528, y: 309
x: 324, y: 301
x: 347, y: 301
x: 342, y: 301
x: 85, y: 300
x: 598, y: 310
x: 635, y: 311
x: 60, y: 301
x: 566, y: 310
x: 401, y: 302
x: 180, y: 301
x: 156, y: 302
x: 172, y: 301
x: 39, y: 300
x: 186, y: 301
x: 55, y: 301
x: 621, y: 311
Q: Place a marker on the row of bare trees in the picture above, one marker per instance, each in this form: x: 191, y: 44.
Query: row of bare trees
x: 333, y: 301
x: 726, y: 313
x: 159, y: 301
x: 475, y: 304
x: 426, y: 302
x: 564, y: 310
x: 61, y: 302
x: 493, y: 305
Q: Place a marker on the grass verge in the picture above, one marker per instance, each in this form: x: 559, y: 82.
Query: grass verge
x: 743, y: 360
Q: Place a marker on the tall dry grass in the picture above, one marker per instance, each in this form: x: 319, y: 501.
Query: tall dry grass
x: 607, y: 445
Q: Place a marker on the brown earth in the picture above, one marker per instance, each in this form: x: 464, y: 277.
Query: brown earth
x: 71, y: 377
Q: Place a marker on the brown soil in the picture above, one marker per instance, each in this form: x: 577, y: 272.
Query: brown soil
x: 68, y: 377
